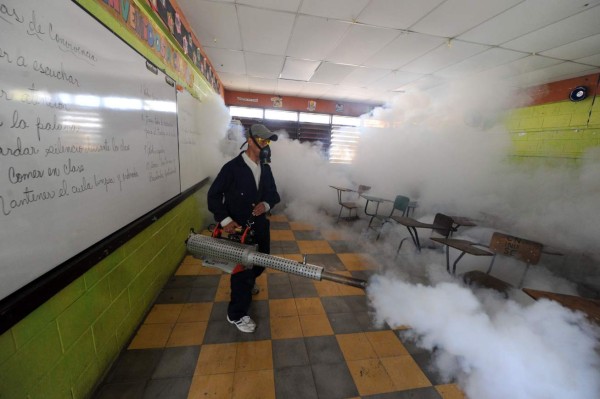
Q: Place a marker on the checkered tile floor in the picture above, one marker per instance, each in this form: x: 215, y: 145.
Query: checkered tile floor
x: 313, y: 340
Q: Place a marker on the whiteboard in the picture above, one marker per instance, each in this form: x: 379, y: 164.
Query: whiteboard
x: 190, y: 140
x: 88, y: 137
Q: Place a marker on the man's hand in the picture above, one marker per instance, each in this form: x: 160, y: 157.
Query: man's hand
x: 259, y: 209
x: 230, y: 228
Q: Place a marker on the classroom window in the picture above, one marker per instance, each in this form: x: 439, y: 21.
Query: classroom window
x: 324, y: 119
x: 344, y: 141
x: 278, y: 115
x: 246, y: 112
x: 345, y: 120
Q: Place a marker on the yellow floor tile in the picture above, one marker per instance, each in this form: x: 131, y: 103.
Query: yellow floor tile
x: 347, y: 289
x: 195, y: 312
x: 285, y: 327
x: 278, y: 218
x: 217, y: 386
x: 254, y: 355
x: 282, y: 307
x: 450, y: 391
x: 216, y: 359
x: 307, y: 306
x: 356, y: 346
x: 188, y: 270
x: 187, y: 334
x: 282, y: 235
x: 370, y: 377
x: 405, y: 372
x: 315, y: 325
x: 151, y: 336
x: 301, y: 226
x: 164, y: 313
x: 386, y: 343
x: 314, y: 247
x: 327, y: 288
x: 333, y: 235
x: 354, y: 261
x: 258, y: 384
x: 223, y: 293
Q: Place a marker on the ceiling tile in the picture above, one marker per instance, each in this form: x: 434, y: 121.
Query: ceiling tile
x: 295, y: 69
x: 281, y: 5
x: 394, y: 80
x: 265, y: 31
x: 331, y: 73
x: 549, y: 74
x: 263, y: 66
x: 568, y: 30
x: 226, y: 60
x: 345, y: 10
x: 443, y: 56
x: 262, y: 85
x: 523, y: 18
x: 363, y: 76
x: 289, y: 87
x: 488, y: 59
x: 234, y: 82
x: 405, y: 48
x: 454, y: 17
x: 398, y: 14
x: 592, y: 60
x: 520, y: 66
x: 422, y: 84
x: 578, y: 49
x: 360, y: 43
x: 215, y: 24
x: 311, y: 89
x: 313, y: 38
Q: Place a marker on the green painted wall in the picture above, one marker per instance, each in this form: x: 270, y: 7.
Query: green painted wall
x: 557, y: 130
x: 64, y: 348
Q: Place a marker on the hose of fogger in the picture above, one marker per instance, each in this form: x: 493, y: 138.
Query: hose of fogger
x: 209, y: 248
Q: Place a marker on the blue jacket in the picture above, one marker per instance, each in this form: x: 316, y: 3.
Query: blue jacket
x: 234, y: 193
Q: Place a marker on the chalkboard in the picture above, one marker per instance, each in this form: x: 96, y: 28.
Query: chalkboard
x: 88, y: 137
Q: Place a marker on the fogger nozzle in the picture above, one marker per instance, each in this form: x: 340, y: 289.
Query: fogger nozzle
x: 201, y: 246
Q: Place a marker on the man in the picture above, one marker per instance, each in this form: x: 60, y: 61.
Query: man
x: 243, y: 191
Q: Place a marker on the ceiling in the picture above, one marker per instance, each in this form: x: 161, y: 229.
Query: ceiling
x: 369, y: 50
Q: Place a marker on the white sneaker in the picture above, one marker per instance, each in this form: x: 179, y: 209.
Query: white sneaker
x: 245, y: 324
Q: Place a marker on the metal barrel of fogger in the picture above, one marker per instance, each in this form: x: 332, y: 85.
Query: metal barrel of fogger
x: 202, y: 246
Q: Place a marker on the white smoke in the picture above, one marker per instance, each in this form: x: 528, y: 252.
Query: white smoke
x: 496, y: 348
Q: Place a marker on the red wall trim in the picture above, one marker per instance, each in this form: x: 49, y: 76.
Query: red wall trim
x: 288, y: 103
x: 559, y: 91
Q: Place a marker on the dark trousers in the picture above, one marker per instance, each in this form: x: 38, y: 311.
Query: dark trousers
x: 243, y: 282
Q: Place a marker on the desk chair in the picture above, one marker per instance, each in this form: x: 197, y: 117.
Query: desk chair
x: 350, y: 206
x: 400, y: 208
x: 526, y: 251
x: 441, y: 227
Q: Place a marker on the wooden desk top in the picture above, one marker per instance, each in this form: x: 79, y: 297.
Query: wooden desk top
x: 374, y: 199
x: 591, y: 307
x: 463, y: 221
x: 342, y: 188
x: 410, y: 222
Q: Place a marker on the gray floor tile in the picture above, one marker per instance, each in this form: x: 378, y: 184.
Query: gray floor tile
x: 177, y: 362
x: 295, y: 383
x: 171, y: 388
x: 333, y: 381
x: 306, y: 290
x: 207, y: 281
x: 335, y: 304
x: 277, y: 278
x: 202, y: 294
x: 307, y: 235
x: 174, y: 295
x: 358, y: 303
x: 280, y: 291
x: 323, y: 350
x: 135, y: 365
x: 289, y: 352
x: 280, y: 226
x: 259, y: 309
x: 122, y: 390
x: 341, y: 247
x: 262, y: 332
x: 420, y: 393
x: 367, y: 322
x: 220, y: 332
x: 179, y: 282
x: 424, y: 361
x: 409, y: 343
x: 344, y: 323
x: 219, y: 311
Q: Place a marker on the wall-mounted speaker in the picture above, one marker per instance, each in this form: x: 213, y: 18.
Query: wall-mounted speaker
x: 579, y: 93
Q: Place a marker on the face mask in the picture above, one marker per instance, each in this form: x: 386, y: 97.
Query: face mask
x: 265, y: 152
